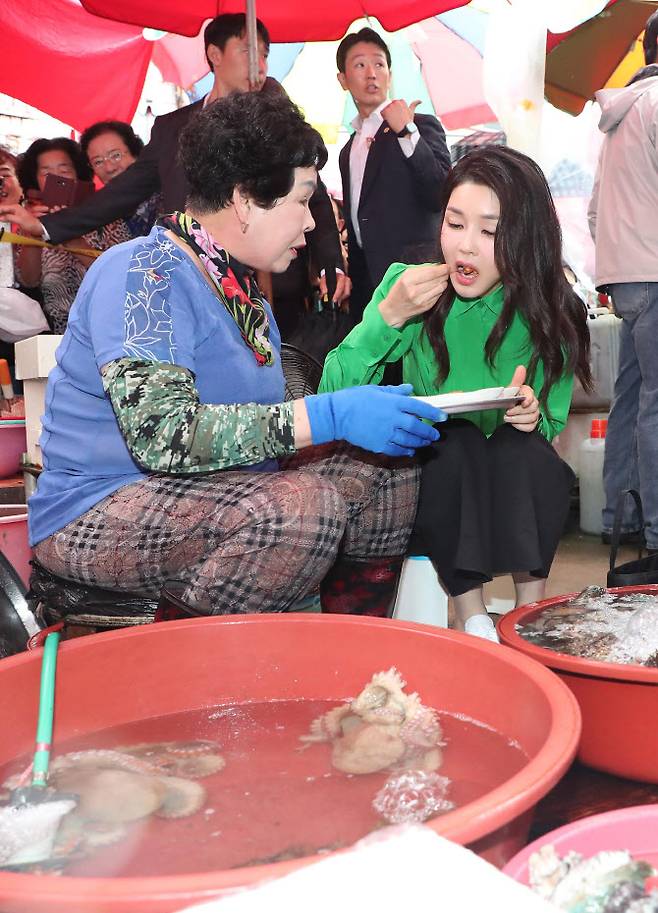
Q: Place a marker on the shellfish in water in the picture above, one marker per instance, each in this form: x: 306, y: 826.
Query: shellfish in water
x: 609, y: 882
x: 115, y: 788
x: 382, y: 728
x: 599, y: 625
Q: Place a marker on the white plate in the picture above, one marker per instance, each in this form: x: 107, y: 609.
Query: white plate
x: 476, y: 400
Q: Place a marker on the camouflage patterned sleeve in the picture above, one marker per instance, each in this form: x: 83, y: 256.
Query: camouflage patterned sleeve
x: 168, y: 430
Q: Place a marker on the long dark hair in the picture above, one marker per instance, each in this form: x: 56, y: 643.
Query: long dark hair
x: 528, y: 255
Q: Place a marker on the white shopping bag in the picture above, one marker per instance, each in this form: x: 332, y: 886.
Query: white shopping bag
x: 20, y: 316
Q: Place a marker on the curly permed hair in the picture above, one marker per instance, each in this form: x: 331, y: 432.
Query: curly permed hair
x: 250, y: 140
x: 133, y: 143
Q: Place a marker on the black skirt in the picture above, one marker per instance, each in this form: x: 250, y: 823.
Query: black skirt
x: 490, y: 506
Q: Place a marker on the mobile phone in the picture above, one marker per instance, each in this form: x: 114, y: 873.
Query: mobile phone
x: 61, y: 191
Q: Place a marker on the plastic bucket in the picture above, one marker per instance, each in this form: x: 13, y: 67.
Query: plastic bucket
x: 633, y: 829
x: 13, y: 538
x: 619, y: 702
x: 13, y: 444
x: 420, y: 596
x: 111, y: 679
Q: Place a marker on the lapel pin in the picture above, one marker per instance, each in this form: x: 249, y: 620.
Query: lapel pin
x: 387, y: 129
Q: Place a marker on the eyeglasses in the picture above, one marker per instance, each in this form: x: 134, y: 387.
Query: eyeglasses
x: 113, y: 157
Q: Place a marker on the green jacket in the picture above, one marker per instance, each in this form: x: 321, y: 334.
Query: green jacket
x: 361, y: 357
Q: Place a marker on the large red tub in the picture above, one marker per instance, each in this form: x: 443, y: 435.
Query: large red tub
x: 619, y: 703
x: 112, y: 679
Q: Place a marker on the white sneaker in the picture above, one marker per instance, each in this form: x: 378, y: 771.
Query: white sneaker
x: 481, y: 626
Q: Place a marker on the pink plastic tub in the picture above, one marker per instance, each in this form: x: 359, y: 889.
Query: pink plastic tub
x: 13, y: 444
x: 634, y: 829
x: 111, y: 679
x: 13, y: 538
x: 619, y: 703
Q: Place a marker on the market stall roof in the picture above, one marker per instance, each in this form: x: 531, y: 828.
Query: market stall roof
x: 80, y: 68
x: 68, y: 63
x: 286, y: 20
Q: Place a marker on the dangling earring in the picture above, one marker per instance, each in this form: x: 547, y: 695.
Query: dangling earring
x: 244, y: 226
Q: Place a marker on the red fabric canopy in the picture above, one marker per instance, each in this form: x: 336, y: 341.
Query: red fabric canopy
x: 286, y: 20
x: 66, y: 62
x: 180, y: 60
x: 80, y: 68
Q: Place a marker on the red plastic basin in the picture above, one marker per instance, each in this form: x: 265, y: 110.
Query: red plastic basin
x: 634, y: 829
x: 619, y: 702
x: 124, y: 676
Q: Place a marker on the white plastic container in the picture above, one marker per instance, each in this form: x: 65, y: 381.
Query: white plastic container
x: 35, y: 358
x: 421, y: 597
x: 590, y: 475
x: 604, y: 332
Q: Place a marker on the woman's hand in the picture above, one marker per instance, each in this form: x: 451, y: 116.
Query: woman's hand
x: 525, y: 416
x: 415, y: 292
x: 26, y: 219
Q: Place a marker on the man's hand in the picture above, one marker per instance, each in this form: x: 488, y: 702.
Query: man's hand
x: 28, y: 223
x: 343, y: 287
x: 398, y: 113
x: 525, y: 416
x: 415, y: 292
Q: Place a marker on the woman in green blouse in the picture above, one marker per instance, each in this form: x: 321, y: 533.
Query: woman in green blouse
x: 494, y: 493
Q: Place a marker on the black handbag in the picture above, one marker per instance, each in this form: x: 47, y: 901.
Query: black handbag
x: 642, y: 571
x: 320, y: 330
x: 323, y: 327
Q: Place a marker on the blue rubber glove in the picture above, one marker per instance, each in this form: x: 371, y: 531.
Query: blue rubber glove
x: 382, y: 419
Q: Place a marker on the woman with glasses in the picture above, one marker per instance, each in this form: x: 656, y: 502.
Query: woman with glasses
x: 111, y: 146
x: 106, y: 149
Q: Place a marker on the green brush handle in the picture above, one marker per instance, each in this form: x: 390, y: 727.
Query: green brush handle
x: 46, y: 711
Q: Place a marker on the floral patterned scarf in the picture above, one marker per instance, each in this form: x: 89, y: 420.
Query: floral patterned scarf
x: 240, y: 296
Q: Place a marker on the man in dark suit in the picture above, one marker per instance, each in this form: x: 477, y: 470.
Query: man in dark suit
x: 158, y: 169
x: 393, y: 169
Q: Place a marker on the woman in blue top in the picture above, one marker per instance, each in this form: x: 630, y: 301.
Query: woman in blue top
x: 165, y: 420
x: 492, y: 500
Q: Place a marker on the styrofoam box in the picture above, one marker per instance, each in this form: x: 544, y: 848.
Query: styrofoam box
x: 35, y: 357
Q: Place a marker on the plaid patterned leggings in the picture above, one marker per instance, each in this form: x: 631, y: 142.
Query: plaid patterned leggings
x: 232, y: 542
